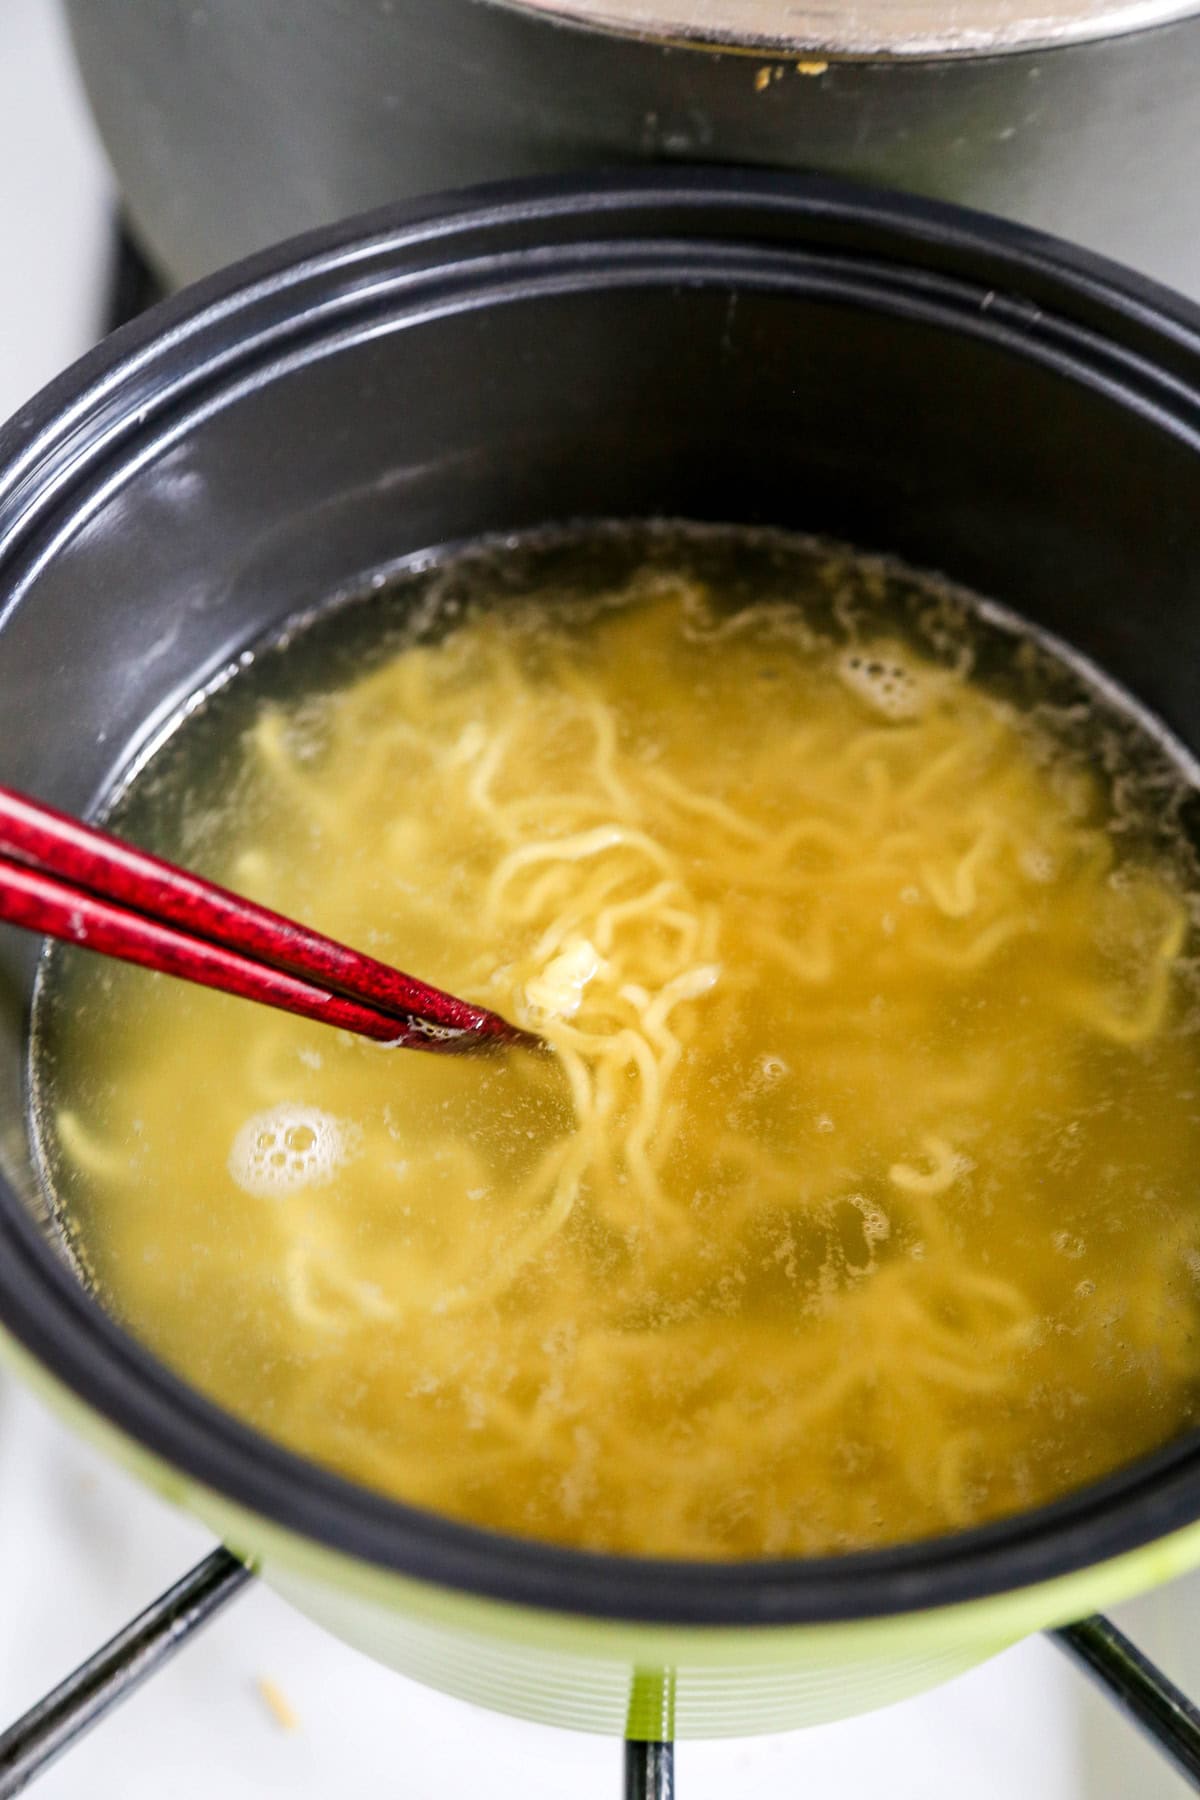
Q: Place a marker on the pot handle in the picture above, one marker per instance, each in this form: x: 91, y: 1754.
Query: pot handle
x: 1142, y: 1692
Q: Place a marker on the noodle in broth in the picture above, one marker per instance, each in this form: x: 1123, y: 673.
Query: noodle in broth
x: 855, y: 1202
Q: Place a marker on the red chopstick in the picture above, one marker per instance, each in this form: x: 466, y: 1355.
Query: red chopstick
x: 63, y: 878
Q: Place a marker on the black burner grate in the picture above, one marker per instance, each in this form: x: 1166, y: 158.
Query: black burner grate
x: 133, y: 284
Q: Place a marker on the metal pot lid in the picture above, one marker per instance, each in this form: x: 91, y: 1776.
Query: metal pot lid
x: 868, y: 28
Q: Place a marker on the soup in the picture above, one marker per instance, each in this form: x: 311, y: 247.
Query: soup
x: 855, y: 1201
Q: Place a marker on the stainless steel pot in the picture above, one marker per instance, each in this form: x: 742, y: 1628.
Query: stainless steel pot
x: 233, y: 124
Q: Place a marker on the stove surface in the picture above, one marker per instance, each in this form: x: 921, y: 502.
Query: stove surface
x: 263, y: 1701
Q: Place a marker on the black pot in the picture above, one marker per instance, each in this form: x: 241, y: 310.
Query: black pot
x: 913, y: 379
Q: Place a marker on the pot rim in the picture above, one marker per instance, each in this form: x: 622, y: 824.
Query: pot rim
x: 1026, y: 294
x: 884, y: 30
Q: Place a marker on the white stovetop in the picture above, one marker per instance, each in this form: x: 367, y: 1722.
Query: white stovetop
x: 82, y: 1548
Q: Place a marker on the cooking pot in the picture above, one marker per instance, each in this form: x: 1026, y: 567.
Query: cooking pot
x: 231, y: 126
x: 713, y: 346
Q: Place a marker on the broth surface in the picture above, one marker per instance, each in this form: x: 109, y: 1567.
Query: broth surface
x: 857, y: 1202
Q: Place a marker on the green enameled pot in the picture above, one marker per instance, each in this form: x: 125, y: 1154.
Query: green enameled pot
x: 713, y: 346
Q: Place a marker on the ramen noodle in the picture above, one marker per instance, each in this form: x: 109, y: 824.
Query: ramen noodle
x: 855, y: 1199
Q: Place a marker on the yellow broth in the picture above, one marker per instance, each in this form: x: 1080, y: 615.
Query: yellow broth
x: 856, y: 1202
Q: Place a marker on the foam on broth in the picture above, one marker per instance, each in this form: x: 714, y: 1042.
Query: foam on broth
x: 858, y: 1200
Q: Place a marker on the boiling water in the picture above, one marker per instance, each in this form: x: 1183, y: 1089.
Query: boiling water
x: 858, y: 1200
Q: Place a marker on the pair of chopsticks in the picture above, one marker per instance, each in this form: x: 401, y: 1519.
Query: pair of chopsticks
x: 66, y: 880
